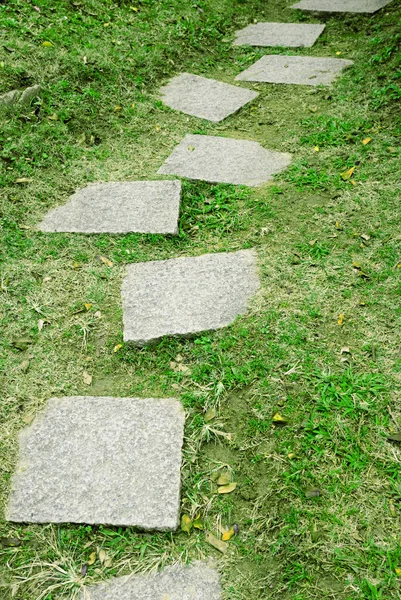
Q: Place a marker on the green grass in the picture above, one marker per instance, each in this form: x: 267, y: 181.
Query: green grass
x: 100, y: 119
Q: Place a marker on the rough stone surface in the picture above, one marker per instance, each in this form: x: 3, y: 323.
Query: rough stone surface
x: 350, y: 6
x: 224, y: 160
x: 196, y: 582
x: 185, y: 296
x: 10, y: 98
x: 139, y: 206
x: 205, y: 98
x: 29, y: 94
x: 112, y: 461
x: 301, y: 70
x: 292, y: 35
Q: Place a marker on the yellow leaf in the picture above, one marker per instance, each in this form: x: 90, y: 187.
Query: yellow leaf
x: 279, y: 419
x: 340, y: 319
x: 210, y: 414
x: 106, y: 24
x: 338, y: 53
x: 117, y: 348
x: 134, y: 8
x: 398, y: 571
x: 87, y: 378
x: 24, y: 180
x: 348, y: 174
x: 103, y: 556
x: 353, y: 181
x: 392, y: 508
x: 92, y: 558
x: 105, y: 261
x: 291, y: 455
x: 76, y: 265
x: 186, y: 524
x: 47, y: 44
x: 53, y: 117
x: 133, y: 105
x: 227, y: 535
x: 88, y: 306
x: 366, y: 141
x: 316, y: 148
x: 198, y: 523
x: 158, y: 128
x: 224, y: 480
x: 116, y: 108
x: 227, y: 489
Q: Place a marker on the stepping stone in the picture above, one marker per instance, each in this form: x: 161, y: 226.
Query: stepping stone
x: 224, y: 160
x: 112, y: 461
x: 185, y: 296
x: 292, y: 35
x: 350, y: 6
x: 122, y: 207
x: 205, y: 98
x: 196, y: 582
x: 300, y: 70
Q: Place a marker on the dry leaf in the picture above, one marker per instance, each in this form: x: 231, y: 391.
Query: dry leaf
x: 84, y: 570
x: 41, y: 323
x: 365, y: 237
x: 291, y: 455
x: 25, y: 366
x: 227, y: 535
x: 348, y: 174
x: 340, y: 319
x: 10, y: 542
x: 87, y: 378
x: 216, y: 543
x: 108, y: 563
x: 392, y: 508
x: 210, y: 414
x: 117, y: 348
x: 88, y: 306
x: 227, y: 489
x: 23, y: 180
x: 198, y: 523
x: 395, y: 437
x: 102, y: 555
x: 224, y: 480
x: 277, y: 418
x: 22, y: 343
x: 366, y: 141
x: 186, y: 524
x: 97, y: 314
x: 92, y: 558
x: 105, y: 261
x: 345, y: 350
x: 76, y: 265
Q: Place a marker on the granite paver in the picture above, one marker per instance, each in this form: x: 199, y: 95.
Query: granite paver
x: 121, y: 207
x: 196, y: 582
x: 185, y: 296
x: 113, y: 461
x: 292, y: 35
x: 224, y: 160
x: 300, y: 70
x: 205, y: 98
x: 350, y: 6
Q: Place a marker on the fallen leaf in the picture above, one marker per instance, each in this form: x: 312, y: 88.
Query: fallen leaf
x: 22, y: 343
x: 10, y: 542
x: 338, y: 53
x: 23, y: 180
x: 345, y: 350
x: 340, y: 319
x: 365, y: 237
x: 84, y: 570
x: 312, y: 493
x: 97, y: 314
x: 338, y: 226
x: 395, y: 437
x: 392, y: 508
x: 87, y: 378
x: 117, y: 348
x: 92, y: 558
x: 25, y: 366
x: 224, y: 480
x: 227, y: 489
x: 227, y: 535
x: 366, y: 141
x: 88, y: 306
x: 47, y: 44
x: 316, y: 148
x: 108, y: 563
x: 105, y: 261
x: 117, y: 108
x: 210, y: 414
x: 76, y: 265
x: 158, y: 128
x: 53, y: 117
x: 186, y: 524
x: 279, y: 420
x: 41, y: 323
x: 348, y: 174
x: 398, y: 571
x: 106, y: 24
x: 198, y: 523
x: 291, y: 455
x: 216, y: 543
x: 103, y: 555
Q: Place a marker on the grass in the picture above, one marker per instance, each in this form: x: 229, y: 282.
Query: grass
x: 327, y: 247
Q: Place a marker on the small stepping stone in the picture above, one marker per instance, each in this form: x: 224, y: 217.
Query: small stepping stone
x: 350, y: 6
x: 205, y: 98
x: 299, y: 70
x: 224, y: 160
x: 185, y: 296
x: 292, y: 35
x: 122, y: 207
x: 111, y: 461
x: 196, y: 582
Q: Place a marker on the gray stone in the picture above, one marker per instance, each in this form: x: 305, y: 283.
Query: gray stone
x: 123, y: 207
x: 196, y: 582
x: 293, y: 35
x: 300, y: 70
x: 112, y: 461
x: 185, y: 296
x: 205, y: 98
x: 10, y: 98
x: 224, y: 160
x: 350, y: 6
x: 29, y: 94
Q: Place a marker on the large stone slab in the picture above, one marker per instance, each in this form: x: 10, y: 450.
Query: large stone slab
x: 121, y: 207
x: 185, y: 296
x: 112, y: 461
x: 350, y: 6
x: 224, y: 160
x: 299, y: 70
x: 205, y: 98
x: 196, y: 582
x: 292, y: 35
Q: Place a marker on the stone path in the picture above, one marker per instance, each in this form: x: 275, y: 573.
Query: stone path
x: 351, y: 6
x: 205, y: 98
x: 123, y: 207
x: 291, y: 35
x: 184, y: 296
x: 224, y: 160
x: 112, y: 461
x: 197, y: 582
x: 299, y: 70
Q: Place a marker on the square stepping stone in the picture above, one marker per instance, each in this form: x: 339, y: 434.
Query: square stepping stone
x: 224, y: 160
x: 112, y: 461
x: 350, y: 6
x: 292, y: 35
x: 299, y: 70
x: 196, y: 582
x: 205, y: 98
x: 121, y: 207
x: 184, y: 296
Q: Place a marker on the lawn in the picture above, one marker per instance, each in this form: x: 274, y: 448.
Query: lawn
x: 306, y: 387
